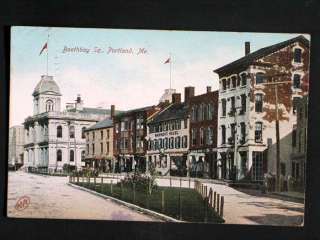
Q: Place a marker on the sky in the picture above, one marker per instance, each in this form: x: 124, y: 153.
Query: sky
x: 104, y: 76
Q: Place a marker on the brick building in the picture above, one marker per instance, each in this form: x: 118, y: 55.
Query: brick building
x: 247, y: 108
x: 130, y: 145
x: 203, y: 111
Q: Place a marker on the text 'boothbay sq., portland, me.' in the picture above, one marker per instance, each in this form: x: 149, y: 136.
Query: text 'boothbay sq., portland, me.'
x: 171, y: 126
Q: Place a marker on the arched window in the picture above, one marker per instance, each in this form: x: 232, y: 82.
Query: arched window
x: 83, y: 135
x: 71, y: 131
x: 49, y: 106
x: 71, y: 156
x: 83, y: 155
x: 59, y: 132
x: 59, y: 155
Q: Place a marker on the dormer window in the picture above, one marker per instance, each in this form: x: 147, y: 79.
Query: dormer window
x: 297, y: 55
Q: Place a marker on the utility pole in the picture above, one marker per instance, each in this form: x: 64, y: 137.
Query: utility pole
x: 278, y: 161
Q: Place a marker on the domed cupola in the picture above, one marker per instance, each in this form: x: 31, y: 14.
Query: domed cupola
x: 46, y: 96
x: 46, y: 86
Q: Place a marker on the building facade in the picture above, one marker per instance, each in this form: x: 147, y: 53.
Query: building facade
x: 129, y: 133
x: 55, y: 138
x: 299, y: 145
x: 16, y: 143
x: 168, y: 139
x: 99, y: 145
x: 203, y: 112
x: 254, y: 92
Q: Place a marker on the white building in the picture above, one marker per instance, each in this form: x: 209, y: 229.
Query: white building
x: 168, y: 136
x: 54, y: 137
x: 247, y: 108
x: 16, y: 143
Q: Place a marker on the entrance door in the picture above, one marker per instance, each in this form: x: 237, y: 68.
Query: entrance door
x: 257, y: 166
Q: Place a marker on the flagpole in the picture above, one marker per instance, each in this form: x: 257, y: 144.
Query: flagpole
x: 48, y: 52
x: 170, y: 68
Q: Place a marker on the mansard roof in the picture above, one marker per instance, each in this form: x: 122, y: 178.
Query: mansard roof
x: 46, y: 85
x: 251, y: 57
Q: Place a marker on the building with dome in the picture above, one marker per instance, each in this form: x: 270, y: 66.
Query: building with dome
x: 56, y: 138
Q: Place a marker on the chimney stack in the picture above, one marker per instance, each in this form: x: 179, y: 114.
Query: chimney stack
x: 188, y: 93
x: 112, y: 110
x: 208, y: 89
x: 247, y: 48
x: 176, y: 98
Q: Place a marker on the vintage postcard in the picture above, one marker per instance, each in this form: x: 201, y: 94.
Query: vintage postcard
x: 163, y: 126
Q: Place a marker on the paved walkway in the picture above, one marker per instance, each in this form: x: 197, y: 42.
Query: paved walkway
x: 51, y: 197
x: 251, y: 206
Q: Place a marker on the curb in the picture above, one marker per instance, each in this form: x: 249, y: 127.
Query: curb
x: 128, y: 205
x: 289, y: 198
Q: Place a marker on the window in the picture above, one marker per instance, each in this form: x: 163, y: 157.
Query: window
x: 209, y: 139
x: 223, y: 134
x: 193, y: 136
x: 228, y: 83
x: 71, y: 156
x: 185, y: 122
x: 209, y: 111
x: 171, y: 146
x: 243, y: 103
x: 88, y: 149
x: 295, y: 170
x: 260, y: 78
x: 257, y: 166
x: 124, y: 125
x: 297, y: 55
x: 166, y: 143
x: 59, y: 155
x: 93, y: 149
x: 294, y: 137
x: 101, y: 134
x: 193, y: 114
x: 185, y: 141
x: 117, y: 127
x: 295, y: 103
x: 203, y: 111
x: 200, y: 113
x: 296, y: 80
x: 101, y: 148
x: 201, y: 136
x: 83, y: 155
x: 108, y: 147
x: 258, y: 132
x: 59, y: 132
x: 238, y: 81
x: 71, y: 131
x: 258, y: 103
x: 243, y: 79
x: 233, y: 133
x: 49, y: 106
x: 243, y: 132
x: 93, y: 135
x: 224, y: 84
x: 177, y: 142
x: 223, y: 107
x: 233, y: 104
x: 83, y: 135
x: 108, y: 133
x: 233, y: 82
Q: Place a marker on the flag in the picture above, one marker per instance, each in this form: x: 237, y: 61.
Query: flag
x: 167, y: 61
x: 45, y: 46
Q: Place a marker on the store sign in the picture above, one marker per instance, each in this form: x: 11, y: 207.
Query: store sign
x: 164, y: 134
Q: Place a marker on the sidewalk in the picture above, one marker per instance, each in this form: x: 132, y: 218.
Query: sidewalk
x: 291, y: 195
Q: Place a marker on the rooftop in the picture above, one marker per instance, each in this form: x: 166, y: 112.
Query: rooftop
x: 175, y: 111
x: 102, y: 124
x: 46, y: 85
x: 251, y: 57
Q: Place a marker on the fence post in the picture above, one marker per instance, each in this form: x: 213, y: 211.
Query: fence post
x: 180, y: 204
x: 70, y: 179
x: 88, y: 181
x: 78, y: 179
x: 170, y: 182
x: 162, y: 201
x: 94, y: 183
x: 134, y: 192
x: 180, y: 182
x: 210, y: 197
x: 218, y: 203
x: 189, y: 182
x: 214, y: 200
x: 121, y: 185
x: 205, y: 209
x: 101, y: 185
x: 111, y: 190
x: 221, y: 206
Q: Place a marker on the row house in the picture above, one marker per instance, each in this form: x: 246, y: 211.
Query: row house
x: 130, y: 130
x: 249, y: 89
x: 203, y: 112
x: 168, y: 138
x: 299, y: 145
x: 99, y: 144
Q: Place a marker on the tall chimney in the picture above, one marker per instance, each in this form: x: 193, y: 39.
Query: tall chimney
x: 176, y: 98
x: 188, y: 93
x: 208, y: 89
x: 112, y: 110
x: 247, y: 48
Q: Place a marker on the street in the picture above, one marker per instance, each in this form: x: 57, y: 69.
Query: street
x: 51, y: 197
